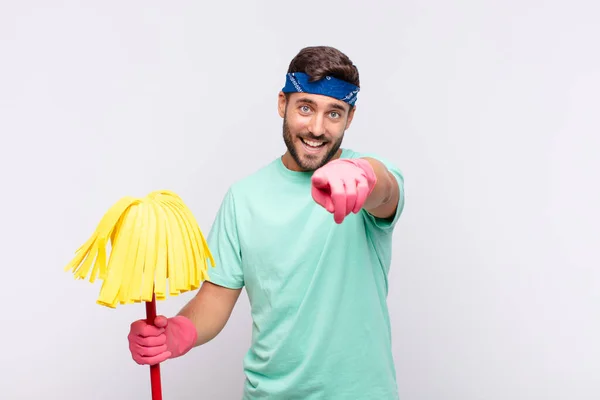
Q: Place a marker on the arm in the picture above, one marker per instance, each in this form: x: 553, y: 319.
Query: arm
x: 383, y: 200
x: 197, y: 323
x: 348, y: 185
x: 210, y: 310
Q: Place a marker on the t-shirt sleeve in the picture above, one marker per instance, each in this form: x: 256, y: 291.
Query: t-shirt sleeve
x: 224, y: 244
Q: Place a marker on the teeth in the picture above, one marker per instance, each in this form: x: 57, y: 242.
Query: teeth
x: 312, y: 143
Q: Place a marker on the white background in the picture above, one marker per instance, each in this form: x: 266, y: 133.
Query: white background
x: 490, y: 109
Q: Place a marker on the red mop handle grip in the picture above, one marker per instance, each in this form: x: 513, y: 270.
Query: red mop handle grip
x: 154, y: 369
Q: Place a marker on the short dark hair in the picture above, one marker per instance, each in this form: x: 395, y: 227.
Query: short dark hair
x: 321, y: 61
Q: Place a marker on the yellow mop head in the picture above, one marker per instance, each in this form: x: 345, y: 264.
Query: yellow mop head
x: 153, y: 239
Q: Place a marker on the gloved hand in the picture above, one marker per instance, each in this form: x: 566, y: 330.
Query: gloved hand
x: 167, y: 338
x: 342, y: 186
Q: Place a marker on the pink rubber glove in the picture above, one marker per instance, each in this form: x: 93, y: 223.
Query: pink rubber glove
x: 170, y: 338
x: 342, y: 186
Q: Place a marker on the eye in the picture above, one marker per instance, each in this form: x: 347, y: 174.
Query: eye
x: 305, y: 109
x: 335, y: 114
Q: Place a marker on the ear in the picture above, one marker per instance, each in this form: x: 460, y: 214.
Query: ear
x: 281, y: 103
x: 350, y: 117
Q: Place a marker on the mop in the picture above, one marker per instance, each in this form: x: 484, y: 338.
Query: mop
x: 154, y: 241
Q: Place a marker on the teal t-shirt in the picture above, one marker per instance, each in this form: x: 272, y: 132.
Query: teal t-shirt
x: 317, y: 290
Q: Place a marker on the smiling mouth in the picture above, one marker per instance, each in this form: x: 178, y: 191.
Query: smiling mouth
x: 312, y: 144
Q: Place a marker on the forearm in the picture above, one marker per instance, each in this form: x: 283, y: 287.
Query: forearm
x: 210, y: 310
x: 385, y: 190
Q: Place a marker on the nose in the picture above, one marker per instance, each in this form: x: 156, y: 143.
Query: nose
x: 317, y: 125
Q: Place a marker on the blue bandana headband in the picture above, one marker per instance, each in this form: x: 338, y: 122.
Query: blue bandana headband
x: 329, y: 86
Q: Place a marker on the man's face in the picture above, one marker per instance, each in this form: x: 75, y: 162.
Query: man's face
x: 313, y: 128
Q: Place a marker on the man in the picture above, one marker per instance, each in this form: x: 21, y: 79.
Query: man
x: 309, y: 236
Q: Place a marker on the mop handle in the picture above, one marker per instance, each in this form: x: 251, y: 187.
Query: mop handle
x: 154, y: 369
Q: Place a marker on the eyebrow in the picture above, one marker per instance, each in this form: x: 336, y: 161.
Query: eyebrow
x: 309, y: 101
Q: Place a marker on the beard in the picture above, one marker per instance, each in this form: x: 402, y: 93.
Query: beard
x: 309, y: 162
